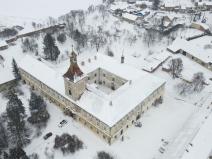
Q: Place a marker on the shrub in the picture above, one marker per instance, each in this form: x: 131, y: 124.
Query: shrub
x: 61, y: 38
x: 68, y: 143
x: 104, y: 155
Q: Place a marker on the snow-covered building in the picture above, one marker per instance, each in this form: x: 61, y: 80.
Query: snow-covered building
x: 131, y: 18
x: 200, y: 26
x: 3, y: 45
x: 207, y: 4
x: 199, y: 50
x: 103, y: 94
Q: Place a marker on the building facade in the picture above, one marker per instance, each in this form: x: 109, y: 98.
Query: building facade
x: 75, y: 82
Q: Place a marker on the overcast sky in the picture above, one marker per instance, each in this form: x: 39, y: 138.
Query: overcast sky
x: 42, y: 8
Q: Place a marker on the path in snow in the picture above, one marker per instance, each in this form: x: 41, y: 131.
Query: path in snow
x: 182, y: 143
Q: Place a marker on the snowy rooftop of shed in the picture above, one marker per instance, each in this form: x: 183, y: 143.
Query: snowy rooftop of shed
x: 107, y: 108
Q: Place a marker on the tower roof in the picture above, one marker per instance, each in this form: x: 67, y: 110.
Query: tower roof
x: 73, y: 70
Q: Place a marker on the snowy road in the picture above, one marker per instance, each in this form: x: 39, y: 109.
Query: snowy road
x: 182, y: 142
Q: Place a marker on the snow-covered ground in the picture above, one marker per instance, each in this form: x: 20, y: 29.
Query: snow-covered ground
x: 42, y: 9
x: 180, y: 120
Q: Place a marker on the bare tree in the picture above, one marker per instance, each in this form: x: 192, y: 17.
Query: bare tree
x: 149, y: 37
x: 198, y: 82
x: 176, y: 67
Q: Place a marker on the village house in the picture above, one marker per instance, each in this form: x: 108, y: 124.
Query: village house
x: 3, y: 45
x: 205, y: 4
x: 198, y: 50
x: 200, y: 26
x: 103, y: 94
x: 131, y: 18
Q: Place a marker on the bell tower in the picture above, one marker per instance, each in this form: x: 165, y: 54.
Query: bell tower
x: 74, y: 79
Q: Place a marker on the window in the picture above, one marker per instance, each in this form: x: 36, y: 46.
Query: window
x: 88, y: 78
x: 104, y: 75
x: 95, y: 74
x: 113, y: 79
x: 103, y: 82
x: 95, y: 81
x: 121, y: 132
x: 69, y: 92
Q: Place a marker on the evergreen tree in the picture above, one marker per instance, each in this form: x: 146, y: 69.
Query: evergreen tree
x: 155, y: 4
x: 29, y: 45
x: 15, y: 70
x: 17, y: 153
x: 5, y: 155
x: 3, y: 136
x: 38, y: 111
x: 51, y: 51
x: 18, y: 133
x: 61, y: 37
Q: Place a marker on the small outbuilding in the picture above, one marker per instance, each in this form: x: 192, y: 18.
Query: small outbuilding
x: 3, y: 45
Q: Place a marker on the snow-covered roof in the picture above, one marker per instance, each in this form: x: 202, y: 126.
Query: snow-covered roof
x: 203, y: 25
x: 3, y: 43
x: 119, y: 5
x: 176, y: 45
x: 129, y: 16
x: 124, y: 99
x: 153, y: 61
x: 194, y: 47
x: 206, y: 3
x: 6, y: 75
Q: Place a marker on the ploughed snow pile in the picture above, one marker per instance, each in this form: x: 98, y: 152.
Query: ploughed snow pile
x: 108, y: 108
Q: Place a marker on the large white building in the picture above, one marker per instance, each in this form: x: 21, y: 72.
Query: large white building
x: 105, y: 95
x: 198, y: 50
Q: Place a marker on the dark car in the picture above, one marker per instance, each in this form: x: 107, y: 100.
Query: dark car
x: 47, y: 135
x: 63, y: 122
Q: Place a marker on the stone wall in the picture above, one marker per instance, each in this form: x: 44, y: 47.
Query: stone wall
x: 7, y: 85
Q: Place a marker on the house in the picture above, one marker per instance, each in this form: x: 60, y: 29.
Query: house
x: 167, y: 21
x: 3, y: 45
x: 131, y: 18
x: 205, y: 4
x: 170, y: 7
x: 198, y: 50
x: 95, y: 91
x: 143, y: 4
x: 200, y: 26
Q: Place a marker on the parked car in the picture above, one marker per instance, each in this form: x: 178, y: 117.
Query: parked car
x: 138, y: 124
x: 47, y: 135
x: 63, y: 122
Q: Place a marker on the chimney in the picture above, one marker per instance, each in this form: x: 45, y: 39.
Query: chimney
x: 122, y: 58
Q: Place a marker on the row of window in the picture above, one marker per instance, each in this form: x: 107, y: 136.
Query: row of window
x: 90, y: 117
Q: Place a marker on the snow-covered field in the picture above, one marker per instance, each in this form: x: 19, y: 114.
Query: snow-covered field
x: 42, y: 9
x: 180, y: 120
